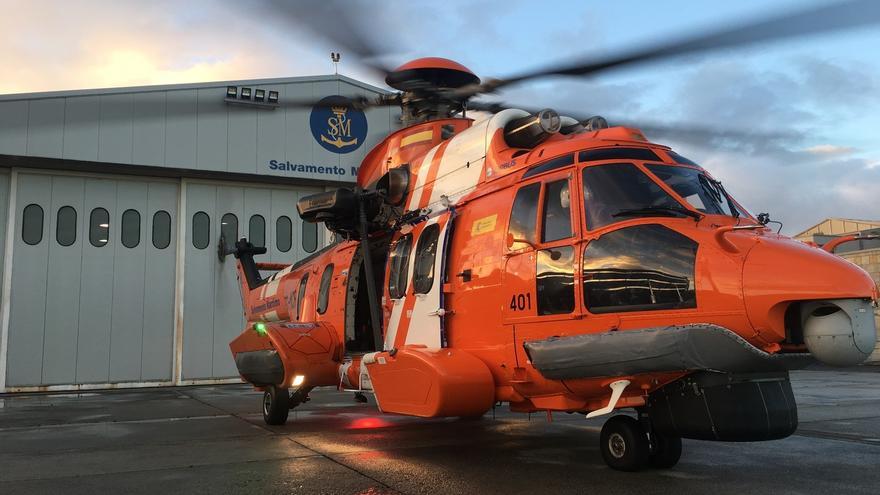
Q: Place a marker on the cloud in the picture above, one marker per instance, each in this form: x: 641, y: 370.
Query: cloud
x: 50, y: 46
x: 829, y: 149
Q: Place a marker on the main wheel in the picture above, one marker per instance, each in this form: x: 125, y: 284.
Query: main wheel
x: 276, y: 405
x: 667, y: 451
x: 624, y: 444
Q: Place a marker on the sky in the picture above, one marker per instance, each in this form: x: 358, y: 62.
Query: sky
x: 806, y: 111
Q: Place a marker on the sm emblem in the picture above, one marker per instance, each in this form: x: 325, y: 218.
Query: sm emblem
x: 337, y: 126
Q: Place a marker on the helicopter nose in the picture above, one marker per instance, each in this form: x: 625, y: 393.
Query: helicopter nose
x: 834, y: 316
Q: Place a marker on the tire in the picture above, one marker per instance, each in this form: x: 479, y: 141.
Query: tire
x: 276, y: 405
x: 667, y: 451
x: 624, y: 444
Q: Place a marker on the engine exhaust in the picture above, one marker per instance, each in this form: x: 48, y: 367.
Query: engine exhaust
x: 532, y: 130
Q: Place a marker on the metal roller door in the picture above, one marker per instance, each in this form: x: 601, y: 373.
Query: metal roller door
x: 212, y: 300
x: 93, y: 281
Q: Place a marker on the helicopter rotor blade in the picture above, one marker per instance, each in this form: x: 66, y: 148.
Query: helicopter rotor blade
x: 680, y: 130
x: 339, y: 22
x: 824, y: 19
x: 357, y: 102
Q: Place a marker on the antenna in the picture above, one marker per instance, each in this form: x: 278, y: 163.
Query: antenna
x: 334, y: 57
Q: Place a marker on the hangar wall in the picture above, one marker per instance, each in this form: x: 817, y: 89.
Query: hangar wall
x: 111, y: 207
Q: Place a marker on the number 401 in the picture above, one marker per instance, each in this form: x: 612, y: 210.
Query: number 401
x: 521, y: 302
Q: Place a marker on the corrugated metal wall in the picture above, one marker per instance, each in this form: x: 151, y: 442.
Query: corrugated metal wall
x: 184, y: 127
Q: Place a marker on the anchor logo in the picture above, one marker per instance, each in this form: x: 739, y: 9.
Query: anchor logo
x: 337, y: 126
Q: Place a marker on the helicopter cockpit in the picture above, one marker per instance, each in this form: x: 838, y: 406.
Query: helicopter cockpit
x: 616, y: 191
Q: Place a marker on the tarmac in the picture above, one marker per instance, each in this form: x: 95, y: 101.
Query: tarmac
x: 212, y: 439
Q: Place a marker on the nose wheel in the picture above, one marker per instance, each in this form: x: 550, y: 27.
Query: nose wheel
x: 276, y: 405
x: 626, y: 445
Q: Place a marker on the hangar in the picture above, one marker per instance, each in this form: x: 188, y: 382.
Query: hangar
x: 112, y: 202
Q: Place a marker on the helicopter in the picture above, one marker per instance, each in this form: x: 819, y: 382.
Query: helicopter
x: 556, y: 264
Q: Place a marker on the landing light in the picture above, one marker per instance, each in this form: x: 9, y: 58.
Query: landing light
x: 297, y: 381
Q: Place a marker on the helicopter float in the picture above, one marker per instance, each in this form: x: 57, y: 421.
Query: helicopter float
x: 554, y: 264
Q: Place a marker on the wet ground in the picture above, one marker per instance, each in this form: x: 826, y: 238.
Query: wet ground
x: 213, y: 440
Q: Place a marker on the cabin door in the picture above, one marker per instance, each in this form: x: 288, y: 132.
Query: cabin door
x: 415, y: 279
x: 540, y: 272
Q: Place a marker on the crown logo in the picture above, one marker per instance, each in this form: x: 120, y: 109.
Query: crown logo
x: 338, y: 109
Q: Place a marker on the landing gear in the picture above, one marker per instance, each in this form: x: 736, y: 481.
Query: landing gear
x: 624, y: 444
x: 666, y: 451
x: 360, y: 397
x: 276, y: 405
x: 627, y: 445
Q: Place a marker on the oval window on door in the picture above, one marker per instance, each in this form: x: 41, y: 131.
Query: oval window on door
x: 201, y: 230
x: 283, y: 234
x: 257, y: 230
x: 310, y: 236
x: 99, y: 227
x: 65, y: 228
x: 229, y: 228
x: 161, y: 229
x: 131, y: 228
x: 32, y: 224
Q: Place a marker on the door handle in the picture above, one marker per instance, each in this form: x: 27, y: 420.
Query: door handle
x: 441, y: 312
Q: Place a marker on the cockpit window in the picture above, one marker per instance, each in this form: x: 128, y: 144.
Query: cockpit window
x: 701, y: 191
x: 618, y: 191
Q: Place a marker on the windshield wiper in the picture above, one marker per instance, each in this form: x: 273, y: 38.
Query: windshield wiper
x: 717, y: 192
x: 658, y: 210
x: 734, y: 211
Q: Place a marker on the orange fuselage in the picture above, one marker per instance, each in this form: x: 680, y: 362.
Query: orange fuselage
x: 483, y: 301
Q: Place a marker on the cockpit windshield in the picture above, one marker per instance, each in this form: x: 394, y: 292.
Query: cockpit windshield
x: 701, y: 191
x: 618, y: 191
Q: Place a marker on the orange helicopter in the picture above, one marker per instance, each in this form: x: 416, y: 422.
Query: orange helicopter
x: 553, y: 264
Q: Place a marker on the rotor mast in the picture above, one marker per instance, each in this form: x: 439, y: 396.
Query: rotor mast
x: 427, y: 88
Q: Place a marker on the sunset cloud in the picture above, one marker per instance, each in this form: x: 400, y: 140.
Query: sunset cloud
x: 829, y: 149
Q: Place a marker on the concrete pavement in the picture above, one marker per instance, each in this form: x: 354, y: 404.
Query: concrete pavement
x: 213, y: 440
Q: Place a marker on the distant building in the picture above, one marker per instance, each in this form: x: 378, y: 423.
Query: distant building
x: 864, y: 252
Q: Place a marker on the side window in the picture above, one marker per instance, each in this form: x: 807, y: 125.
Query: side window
x: 301, y: 295
x: 131, y: 228
x: 201, y: 230
x: 555, y: 280
x: 309, y: 236
x: 99, y: 227
x: 65, y: 227
x: 426, y: 252
x: 324, y: 290
x: 639, y: 268
x: 257, y: 230
x: 398, y: 276
x: 524, y: 214
x: 229, y: 228
x: 557, y: 211
x: 161, y: 229
x: 32, y: 224
x: 283, y: 234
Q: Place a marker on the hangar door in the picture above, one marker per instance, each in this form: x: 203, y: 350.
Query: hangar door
x: 92, y: 297
x: 212, y: 309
